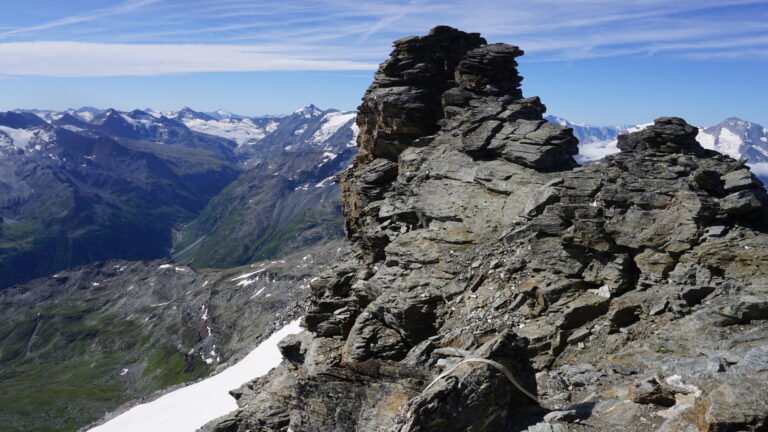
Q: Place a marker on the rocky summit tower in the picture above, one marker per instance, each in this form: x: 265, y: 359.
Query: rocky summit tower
x: 495, y: 285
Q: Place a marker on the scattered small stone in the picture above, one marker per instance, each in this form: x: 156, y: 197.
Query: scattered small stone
x: 561, y: 416
x: 547, y: 427
x: 659, y: 307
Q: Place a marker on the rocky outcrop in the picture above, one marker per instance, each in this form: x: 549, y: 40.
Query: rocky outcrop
x: 636, y: 288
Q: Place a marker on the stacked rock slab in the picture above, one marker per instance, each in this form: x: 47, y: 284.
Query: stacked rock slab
x: 638, y: 283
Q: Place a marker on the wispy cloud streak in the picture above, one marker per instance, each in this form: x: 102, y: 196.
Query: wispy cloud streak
x: 81, y: 59
x: 124, y: 8
x: 351, y: 33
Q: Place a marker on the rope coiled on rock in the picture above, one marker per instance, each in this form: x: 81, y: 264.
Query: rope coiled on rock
x: 500, y: 367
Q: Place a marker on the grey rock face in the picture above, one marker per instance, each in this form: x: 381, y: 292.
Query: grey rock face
x: 639, y: 283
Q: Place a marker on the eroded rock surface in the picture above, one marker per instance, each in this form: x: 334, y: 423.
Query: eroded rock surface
x: 626, y: 295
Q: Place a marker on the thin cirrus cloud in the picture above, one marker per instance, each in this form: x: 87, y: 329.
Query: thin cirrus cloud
x: 83, y: 59
x: 151, y: 37
x: 98, y: 14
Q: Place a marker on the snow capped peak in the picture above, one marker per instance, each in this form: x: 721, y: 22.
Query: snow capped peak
x: 110, y: 112
x: 222, y: 114
x: 737, y: 138
x: 567, y: 123
x: 309, y: 111
x: 558, y: 120
x: 733, y: 120
x: 86, y: 113
x: 188, y: 113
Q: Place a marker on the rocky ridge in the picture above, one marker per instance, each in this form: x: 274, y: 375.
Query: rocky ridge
x: 486, y: 265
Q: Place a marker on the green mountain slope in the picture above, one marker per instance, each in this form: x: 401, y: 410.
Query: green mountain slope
x: 86, y: 340
x: 271, y: 210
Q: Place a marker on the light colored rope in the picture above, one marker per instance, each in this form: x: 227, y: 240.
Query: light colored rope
x: 500, y: 367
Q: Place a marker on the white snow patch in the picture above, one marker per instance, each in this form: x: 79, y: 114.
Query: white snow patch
x: 241, y: 131
x: 332, y: 122
x: 325, y: 182
x: 190, y: 407
x: 85, y: 115
x: 247, y: 275
x: 300, y: 130
x: 164, y: 266
x: 258, y: 292
x: 638, y: 128
x: 355, y: 132
x: 706, y: 140
x: 246, y: 282
x: 21, y: 137
x: 72, y: 128
x: 729, y: 143
x: 130, y: 121
x: 123, y: 372
x: 599, y: 149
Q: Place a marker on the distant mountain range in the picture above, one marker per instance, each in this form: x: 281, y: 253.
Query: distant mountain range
x: 85, y: 185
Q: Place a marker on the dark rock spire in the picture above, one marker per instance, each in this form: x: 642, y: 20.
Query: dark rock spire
x: 447, y: 87
x: 476, y: 236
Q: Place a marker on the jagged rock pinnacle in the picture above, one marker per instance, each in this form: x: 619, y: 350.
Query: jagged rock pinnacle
x: 476, y: 235
x: 447, y: 87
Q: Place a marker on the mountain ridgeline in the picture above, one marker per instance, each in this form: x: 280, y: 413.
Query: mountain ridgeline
x: 287, y: 201
x: 495, y: 285
x: 88, y: 185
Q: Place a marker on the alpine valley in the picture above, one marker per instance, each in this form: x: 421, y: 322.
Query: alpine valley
x: 503, y: 270
x: 88, y: 185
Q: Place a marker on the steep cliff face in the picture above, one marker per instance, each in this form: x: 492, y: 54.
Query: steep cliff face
x: 497, y: 286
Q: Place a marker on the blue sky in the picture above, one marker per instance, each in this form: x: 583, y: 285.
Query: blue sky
x: 595, y: 61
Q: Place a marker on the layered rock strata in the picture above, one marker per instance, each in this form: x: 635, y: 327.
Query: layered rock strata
x: 631, y: 294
